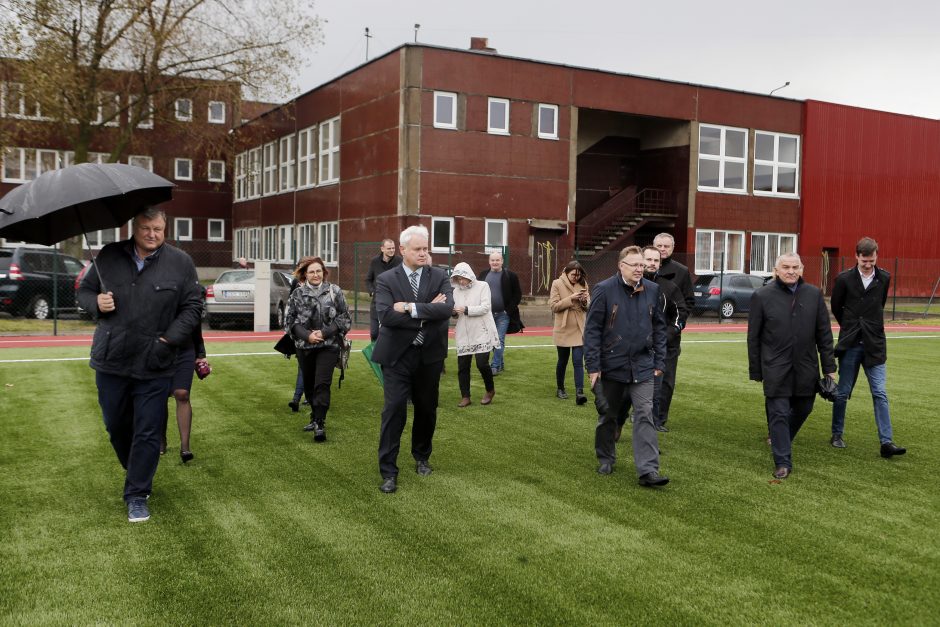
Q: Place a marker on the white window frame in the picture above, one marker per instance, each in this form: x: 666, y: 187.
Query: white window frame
x: 241, y: 176
x: 493, y: 246
x: 723, y: 160
x: 306, y: 239
x: 18, y: 155
x: 177, y: 222
x: 329, y: 151
x: 269, y: 169
x: 221, y: 225
x: 541, y: 133
x: 287, y: 159
x: 254, y: 173
x: 776, y: 164
x: 57, y: 160
x: 450, y: 228
x: 254, y: 243
x: 216, y: 179
x: 497, y: 127
x: 146, y: 123
x: 285, y: 243
x: 446, y: 95
x: 269, y: 243
x: 21, y: 110
x: 240, y: 248
x: 183, y: 117
x: 328, y: 242
x: 772, y: 248
x: 93, y: 239
x: 176, y: 169
x: 216, y: 119
x: 732, y: 263
x: 307, y: 157
x: 115, y: 102
x: 141, y: 161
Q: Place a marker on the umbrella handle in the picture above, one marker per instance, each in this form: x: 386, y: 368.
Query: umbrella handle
x: 94, y: 261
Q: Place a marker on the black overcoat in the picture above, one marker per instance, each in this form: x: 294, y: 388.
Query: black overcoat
x: 860, y: 313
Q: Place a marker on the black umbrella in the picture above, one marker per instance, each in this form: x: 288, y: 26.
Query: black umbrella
x: 78, y: 199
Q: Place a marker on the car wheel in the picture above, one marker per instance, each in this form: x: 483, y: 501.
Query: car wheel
x: 38, y: 308
x: 277, y: 320
x: 214, y: 322
x: 727, y: 309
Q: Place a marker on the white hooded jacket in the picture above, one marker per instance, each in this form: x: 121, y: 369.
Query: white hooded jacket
x: 476, y: 330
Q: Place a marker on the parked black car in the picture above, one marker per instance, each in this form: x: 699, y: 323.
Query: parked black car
x: 727, y: 296
x: 26, y: 281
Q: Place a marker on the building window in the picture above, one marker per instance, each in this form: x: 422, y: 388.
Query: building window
x: 254, y: 173
x: 183, y: 229
x: 306, y: 240
x: 183, y: 169
x: 496, y: 235
x: 329, y: 151
x: 141, y: 162
x: 216, y: 171
x: 285, y: 239
x: 241, y: 176
x: 109, y: 108
x: 548, y: 121
x: 442, y: 235
x: 216, y: 232
x: 183, y: 109
x: 241, y: 243
x: 766, y: 247
x: 445, y: 109
x: 142, y: 111
x: 287, y: 161
x: 97, y: 239
x: 498, y: 116
x: 329, y: 242
x: 307, y: 157
x: 776, y: 164
x: 270, y: 169
x: 269, y: 243
x: 47, y: 160
x: 19, y: 165
x: 713, y: 247
x: 722, y: 158
x: 216, y: 112
x: 254, y: 243
x: 14, y: 104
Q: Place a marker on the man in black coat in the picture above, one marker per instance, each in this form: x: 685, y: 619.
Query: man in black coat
x: 148, y: 301
x: 385, y: 260
x: 414, y: 302
x: 505, y: 296
x: 858, y: 301
x: 787, y: 326
x: 679, y: 274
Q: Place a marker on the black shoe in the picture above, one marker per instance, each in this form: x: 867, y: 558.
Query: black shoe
x: 653, y: 480
x: 389, y: 485
x: 294, y: 406
x: 319, y: 432
x: 561, y: 393
x: 186, y: 456
x: 605, y: 468
x: 311, y: 426
x: 837, y: 441
x: 662, y: 429
x: 782, y: 472
x: 890, y: 449
x: 422, y: 468
x: 579, y: 397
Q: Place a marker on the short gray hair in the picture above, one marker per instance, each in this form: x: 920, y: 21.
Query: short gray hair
x: 665, y: 236
x: 790, y: 255
x: 496, y: 252
x: 150, y: 213
x: 411, y: 231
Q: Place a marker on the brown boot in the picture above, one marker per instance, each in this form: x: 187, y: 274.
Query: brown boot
x: 464, y: 401
x: 488, y: 397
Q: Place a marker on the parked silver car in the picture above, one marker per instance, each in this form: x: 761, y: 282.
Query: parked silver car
x: 232, y: 297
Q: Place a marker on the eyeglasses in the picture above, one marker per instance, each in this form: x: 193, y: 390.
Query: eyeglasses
x: 632, y: 265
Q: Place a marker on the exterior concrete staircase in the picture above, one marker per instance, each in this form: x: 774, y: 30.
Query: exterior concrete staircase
x: 613, y: 224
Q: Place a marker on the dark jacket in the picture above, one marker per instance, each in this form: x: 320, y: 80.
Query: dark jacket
x: 320, y: 308
x: 625, y: 332
x: 785, y: 331
x: 674, y: 309
x: 398, y: 330
x: 512, y: 296
x: 162, y: 300
x: 376, y: 267
x: 679, y: 274
x: 860, y: 313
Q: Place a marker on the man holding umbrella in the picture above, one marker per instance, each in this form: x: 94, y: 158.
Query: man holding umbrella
x: 148, y: 301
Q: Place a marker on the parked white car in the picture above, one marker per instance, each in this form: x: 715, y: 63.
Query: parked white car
x: 232, y: 297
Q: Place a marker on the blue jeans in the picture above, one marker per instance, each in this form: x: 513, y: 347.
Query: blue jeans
x: 849, y: 365
x: 502, y: 323
x: 576, y: 353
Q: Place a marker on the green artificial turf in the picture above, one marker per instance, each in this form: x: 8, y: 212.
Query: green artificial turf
x: 514, y: 526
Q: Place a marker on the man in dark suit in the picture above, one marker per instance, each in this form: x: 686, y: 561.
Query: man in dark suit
x: 679, y: 274
x: 787, y: 326
x: 413, y: 302
x: 505, y: 296
x: 858, y: 302
x: 385, y: 260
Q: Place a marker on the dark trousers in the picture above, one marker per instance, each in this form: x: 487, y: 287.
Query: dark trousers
x: 373, y: 322
x: 576, y: 353
x: 785, y: 416
x: 668, y: 385
x: 134, y: 411
x: 317, y: 366
x: 463, y: 372
x: 420, y: 381
x: 645, y: 440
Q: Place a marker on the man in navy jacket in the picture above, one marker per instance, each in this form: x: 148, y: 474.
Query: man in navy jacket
x: 625, y: 347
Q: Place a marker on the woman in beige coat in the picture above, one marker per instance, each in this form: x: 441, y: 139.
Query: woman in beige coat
x: 569, y: 301
x: 476, y: 332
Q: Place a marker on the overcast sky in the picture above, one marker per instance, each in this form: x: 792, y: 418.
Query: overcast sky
x: 880, y: 55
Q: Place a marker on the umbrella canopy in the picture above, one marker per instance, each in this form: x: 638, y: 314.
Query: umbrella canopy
x: 78, y: 199
x: 376, y: 368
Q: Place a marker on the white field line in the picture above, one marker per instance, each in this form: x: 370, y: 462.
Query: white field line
x: 214, y: 355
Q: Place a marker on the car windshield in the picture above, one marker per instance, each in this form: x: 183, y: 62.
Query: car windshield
x: 705, y: 280
x: 237, y: 276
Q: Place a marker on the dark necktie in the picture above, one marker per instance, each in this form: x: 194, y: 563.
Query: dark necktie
x: 413, y: 277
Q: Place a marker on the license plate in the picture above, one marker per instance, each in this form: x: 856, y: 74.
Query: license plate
x: 234, y: 294
x: 698, y: 293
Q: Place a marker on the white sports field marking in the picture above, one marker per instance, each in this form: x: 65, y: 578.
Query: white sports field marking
x: 214, y: 355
